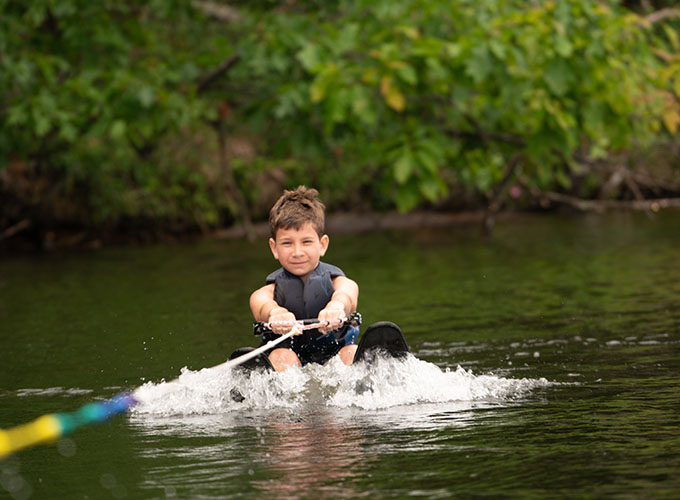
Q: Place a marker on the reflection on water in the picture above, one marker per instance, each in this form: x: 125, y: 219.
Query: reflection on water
x: 310, y: 452
x: 313, y: 452
x: 278, y: 454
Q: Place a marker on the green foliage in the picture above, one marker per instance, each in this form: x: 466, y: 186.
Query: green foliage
x: 89, y: 89
x: 461, y: 86
x: 668, y: 42
x: 398, y: 101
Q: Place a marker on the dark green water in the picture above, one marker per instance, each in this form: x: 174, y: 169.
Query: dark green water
x: 567, y: 331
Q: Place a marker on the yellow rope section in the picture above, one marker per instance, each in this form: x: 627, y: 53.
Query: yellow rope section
x: 41, y: 430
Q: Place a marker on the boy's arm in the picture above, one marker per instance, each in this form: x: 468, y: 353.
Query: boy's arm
x: 343, y: 302
x: 265, y: 308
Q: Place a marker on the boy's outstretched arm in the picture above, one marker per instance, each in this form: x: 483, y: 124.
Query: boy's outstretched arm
x: 343, y: 302
x: 265, y: 308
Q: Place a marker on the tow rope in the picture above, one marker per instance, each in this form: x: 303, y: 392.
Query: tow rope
x: 49, y: 428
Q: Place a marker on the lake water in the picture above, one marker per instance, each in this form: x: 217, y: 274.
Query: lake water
x: 546, y: 365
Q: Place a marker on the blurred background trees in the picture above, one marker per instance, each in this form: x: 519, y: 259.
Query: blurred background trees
x: 168, y: 116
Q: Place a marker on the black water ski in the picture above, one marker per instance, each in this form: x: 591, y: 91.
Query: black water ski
x: 259, y: 362
x: 382, y: 337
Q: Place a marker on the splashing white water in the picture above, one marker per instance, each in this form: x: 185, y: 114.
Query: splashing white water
x: 384, y: 383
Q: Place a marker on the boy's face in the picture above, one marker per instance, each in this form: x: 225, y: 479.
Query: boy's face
x: 299, y: 250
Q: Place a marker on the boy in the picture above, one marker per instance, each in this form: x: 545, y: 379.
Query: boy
x: 304, y: 287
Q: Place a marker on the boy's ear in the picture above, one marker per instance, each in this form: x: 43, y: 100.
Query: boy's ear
x: 272, y: 246
x: 324, y: 240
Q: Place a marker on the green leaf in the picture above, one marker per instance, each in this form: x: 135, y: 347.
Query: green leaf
x: 362, y: 105
x: 428, y: 162
x: 403, y: 168
x: 322, y: 82
x: 563, y: 179
x: 436, y: 71
x: 407, y: 197
x: 118, y: 129
x: 146, y: 96
x: 35, y: 15
x: 433, y: 148
x: 310, y: 57
x: 498, y: 49
x: 453, y: 50
x: 557, y: 76
x: 17, y: 115
x: 479, y: 65
x: 410, y: 31
x: 347, y: 38
x: 42, y: 125
x: 672, y: 35
x: 563, y: 46
x: 407, y: 74
x: 430, y: 188
x: 338, y: 103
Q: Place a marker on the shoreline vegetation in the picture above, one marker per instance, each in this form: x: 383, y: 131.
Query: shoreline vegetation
x: 144, y: 121
x: 77, y: 239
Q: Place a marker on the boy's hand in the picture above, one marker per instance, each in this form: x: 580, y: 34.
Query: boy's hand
x: 282, y: 320
x: 333, y: 313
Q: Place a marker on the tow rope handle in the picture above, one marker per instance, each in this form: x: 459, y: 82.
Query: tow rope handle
x: 296, y: 328
x: 261, y: 327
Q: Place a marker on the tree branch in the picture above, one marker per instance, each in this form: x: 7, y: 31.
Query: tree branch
x: 219, y: 11
x: 14, y: 229
x: 513, y: 140
x: 498, y: 196
x: 231, y: 182
x: 208, y: 79
x: 662, y: 14
x: 601, y: 205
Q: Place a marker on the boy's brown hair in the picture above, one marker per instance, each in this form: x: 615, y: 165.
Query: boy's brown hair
x: 295, y: 208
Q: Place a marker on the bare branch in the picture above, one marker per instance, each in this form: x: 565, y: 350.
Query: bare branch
x: 632, y: 185
x: 496, y: 200
x: 233, y: 188
x: 208, y: 79
x: 14, y: 229
x: 219, y: 11
x: 513, y: 140
x: 662, y: 14
x: 601, y: 205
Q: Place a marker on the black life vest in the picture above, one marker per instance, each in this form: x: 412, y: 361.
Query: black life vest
x: 304, y: 300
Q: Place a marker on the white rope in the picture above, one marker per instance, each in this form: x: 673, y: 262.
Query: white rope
x: 296, y: 330
x: 255, y: 352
